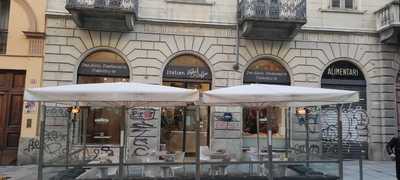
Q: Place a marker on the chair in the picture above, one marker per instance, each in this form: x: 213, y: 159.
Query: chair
x: 180, y: 157
x: 204, y: 153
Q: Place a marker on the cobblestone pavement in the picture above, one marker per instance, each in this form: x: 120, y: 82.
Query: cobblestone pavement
x: 373, y: 170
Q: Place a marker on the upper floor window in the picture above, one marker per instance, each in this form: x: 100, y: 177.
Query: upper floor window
x: 343, y: 4
x: 4, y: 14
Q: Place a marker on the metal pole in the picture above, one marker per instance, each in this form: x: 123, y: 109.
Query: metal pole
x: 41, y: 141
x: 258, y: 133
x: 198, y: 143
x: 360, y: 162
x: 122, y: 145
x: 290, y: 128
x: 340, y: 143
x: 307, y: 127
x: 270, y: 167
x: 286, y: 132
x: 84, y: 136
x: 68, y: 142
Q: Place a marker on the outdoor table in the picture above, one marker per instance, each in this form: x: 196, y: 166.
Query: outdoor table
x: 263, y: 168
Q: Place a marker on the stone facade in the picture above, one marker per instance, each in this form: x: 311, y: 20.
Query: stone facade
x: 151, y: 45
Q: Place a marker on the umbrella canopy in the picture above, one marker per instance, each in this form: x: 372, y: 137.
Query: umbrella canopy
x: 114, y: 94
x: 277, y: 95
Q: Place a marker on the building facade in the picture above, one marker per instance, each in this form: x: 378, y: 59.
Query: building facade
x: 22, y: 26
x: 336, y: 44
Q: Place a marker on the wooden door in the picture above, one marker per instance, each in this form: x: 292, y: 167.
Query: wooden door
x: 12, y: 85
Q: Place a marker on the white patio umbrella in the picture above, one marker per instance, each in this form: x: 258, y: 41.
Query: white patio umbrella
x: 263, y: 95
x: 277, y: 95
x: 112, y: 94
x: 108, y: 94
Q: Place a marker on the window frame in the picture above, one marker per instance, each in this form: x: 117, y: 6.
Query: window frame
x: 342, y: 4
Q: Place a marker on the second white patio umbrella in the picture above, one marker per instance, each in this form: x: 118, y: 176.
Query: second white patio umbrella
x: 277, y: 95
x: 263, y: 95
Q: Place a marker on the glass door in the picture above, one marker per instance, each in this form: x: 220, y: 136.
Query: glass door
x: 178, y: 125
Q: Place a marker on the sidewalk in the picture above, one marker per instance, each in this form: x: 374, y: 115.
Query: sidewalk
x: 373, y: 170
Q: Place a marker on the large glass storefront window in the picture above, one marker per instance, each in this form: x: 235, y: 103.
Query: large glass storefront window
x: 265, y: 71
x: 178, y: 123
x: 345, y: 75
x: 99, y: 124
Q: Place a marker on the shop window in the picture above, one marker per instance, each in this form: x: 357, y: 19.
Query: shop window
x: 345, y: 75
x: 265, y: 71
x: 102, y: 125
x: 266, y: 114
x: 178, y: 123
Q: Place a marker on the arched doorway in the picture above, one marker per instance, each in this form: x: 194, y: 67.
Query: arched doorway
x: 102, y: 125
x: 178, y: 123
x: 264, y: 71
x: 345, y: 75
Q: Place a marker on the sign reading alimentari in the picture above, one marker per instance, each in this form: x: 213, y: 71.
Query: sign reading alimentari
x: 104, y: 69
x: 344, y: 71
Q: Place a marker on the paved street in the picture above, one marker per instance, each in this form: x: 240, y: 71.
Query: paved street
x: 373, y: 170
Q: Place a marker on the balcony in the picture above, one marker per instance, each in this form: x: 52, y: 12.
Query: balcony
x: 271, y: 19
x: 388, y: 23
x: 107, y: 15
x: 3, y: 41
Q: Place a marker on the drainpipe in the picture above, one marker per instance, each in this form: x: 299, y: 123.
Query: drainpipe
x: 236, y: 66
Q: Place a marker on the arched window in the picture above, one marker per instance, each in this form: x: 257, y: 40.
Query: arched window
x: 265, y: 71
x: 102, y: 125
x: 178, y: 123
x: 345, y: 75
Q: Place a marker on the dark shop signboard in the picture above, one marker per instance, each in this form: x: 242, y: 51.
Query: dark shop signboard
x: 259, y: 76
x: 187, y: 72
x: 344, y: 71
x: 104, y: 69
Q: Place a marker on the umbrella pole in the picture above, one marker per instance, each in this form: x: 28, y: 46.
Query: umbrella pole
x: 68, y: 143
x: 122, y: 145
x: 270, y: 168
x: 258, y: 138
x: 41, y: 141
x: 340, y: 142
x: 258, y: 134
x: 286, y: 132
x: 307, y: 127
x: 198, y: 143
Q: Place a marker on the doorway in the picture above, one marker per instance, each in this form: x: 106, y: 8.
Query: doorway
x: 12, y: 85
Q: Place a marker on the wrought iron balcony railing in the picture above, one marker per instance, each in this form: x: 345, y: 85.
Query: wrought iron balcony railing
x: 273, y: 9
x: 388, y: 15
x: 3, y: 41
x: 119, y: 5
x: 108, y: 15
x: 388, y: 23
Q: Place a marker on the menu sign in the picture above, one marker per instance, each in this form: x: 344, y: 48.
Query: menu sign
x: 259, y: 76
x: 104, y: 69
x: 187, y: 72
